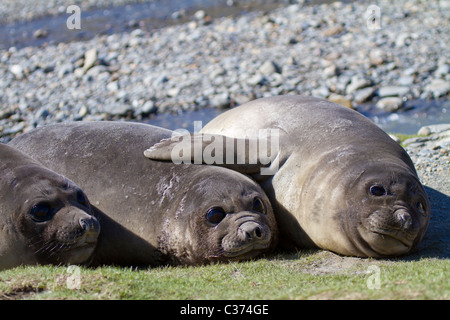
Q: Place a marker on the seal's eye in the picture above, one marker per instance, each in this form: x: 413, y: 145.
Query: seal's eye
x: 42, y: 212
x: 377, y: 190
x: 81, y: 199
x: 258, y: 206
x: 420, y: 207
x: 215, y: 215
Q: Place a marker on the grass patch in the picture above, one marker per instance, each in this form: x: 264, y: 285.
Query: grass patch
x: 306, y: 275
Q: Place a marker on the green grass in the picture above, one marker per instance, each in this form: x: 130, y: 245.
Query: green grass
x: 307, y: 275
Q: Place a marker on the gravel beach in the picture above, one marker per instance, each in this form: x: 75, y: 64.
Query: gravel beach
x: 334, y: 51
x: 331, y: 50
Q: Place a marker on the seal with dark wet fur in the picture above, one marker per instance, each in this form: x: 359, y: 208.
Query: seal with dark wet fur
x: 44, y: 217
x: 162, y: 213
x: 341, y: 183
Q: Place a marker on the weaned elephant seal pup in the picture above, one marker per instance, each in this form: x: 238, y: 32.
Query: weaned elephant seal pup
x: 173, y: 214
x: 44, y: 217
x: 341, y: 183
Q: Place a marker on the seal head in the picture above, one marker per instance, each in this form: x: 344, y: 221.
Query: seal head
x: 394, y: 211
x: 230, y: 222
x: 44, y: 217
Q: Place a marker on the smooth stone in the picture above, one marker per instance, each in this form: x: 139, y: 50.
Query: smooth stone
x: 221, y: 100
x: 90, y: 59
x: 438, y: 87
x: 442, y: 70
x: 363, y: 95
x: 357, y: 83
x: 340, y: 100
x: 393, y: 91
x: 389, y: 104
x: 17, y: 70
x: 405, y: 81
x: 269, y: 67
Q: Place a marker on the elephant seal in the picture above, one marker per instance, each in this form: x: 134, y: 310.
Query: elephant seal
x: 162, y: 213
x: 44, y: 217
x: 340, y: 183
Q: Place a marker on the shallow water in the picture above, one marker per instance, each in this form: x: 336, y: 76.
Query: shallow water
x: 147, y: 16
x: 418, y: 113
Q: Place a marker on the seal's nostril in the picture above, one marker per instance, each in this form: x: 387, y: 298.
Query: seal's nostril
x: 88, y: 224
x: 83, y: 223
x: 258, y: 232
x: 404, y: 219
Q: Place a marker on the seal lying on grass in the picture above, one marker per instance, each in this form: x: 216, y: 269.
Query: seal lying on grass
x: 340, y: 183
x: 162, y: 213
x: 44, y: 217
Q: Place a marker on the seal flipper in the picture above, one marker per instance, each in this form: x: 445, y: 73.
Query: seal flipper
x: 245, y: 155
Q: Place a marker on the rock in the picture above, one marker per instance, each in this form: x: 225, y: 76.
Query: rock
x: 90, y: 59
x: 200, y: 15
x: 410, y: 71
x: 257, y: 79
x: 177, y: 15
x: 217, y: 72
x: 390, y: 104
x: 65, y: 69
x: 377, y: 57
x: 363, y: 95
x: 269, y: 67
x: 357, y: 83
x: 18, y: 71
x: 79, y: 72
x: 436, y: 128
x: 15, y: 129
x: 438, y: 87
x: 221, y: 100
x: 333, y: 31
x: 442, y: 70
x: 321, y: 92
x: 173, y: 92
x: 40, y: 33
x: 83, y: 111
x: 340, y: 100
x: 42, y: 113
x: 403, y: 39
x: 137, y: 33
x: 116, y: 109
x: 424, y: 131
x: 149, y: 107
x: 393, y: 91
x: 112, y: 86
x: 405, y: 80
x: 330, y: 71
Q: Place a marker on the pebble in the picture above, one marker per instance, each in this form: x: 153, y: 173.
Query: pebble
x: 390, y: 104
x: 438, y: 87
x: 442, y: 70
x: 90, y: 59
x: 363, y: 95
x: 18, y: 71
x: 221, y: 100
x: 357, y: 83
x: 322, y: 50
x: 269, y: 67
x: 340, y: 100
x: 393, y: 91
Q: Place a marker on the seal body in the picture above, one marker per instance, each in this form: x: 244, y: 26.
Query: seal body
x: 44, y: 217
x: 341, y: 183
x: 155, y: 212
